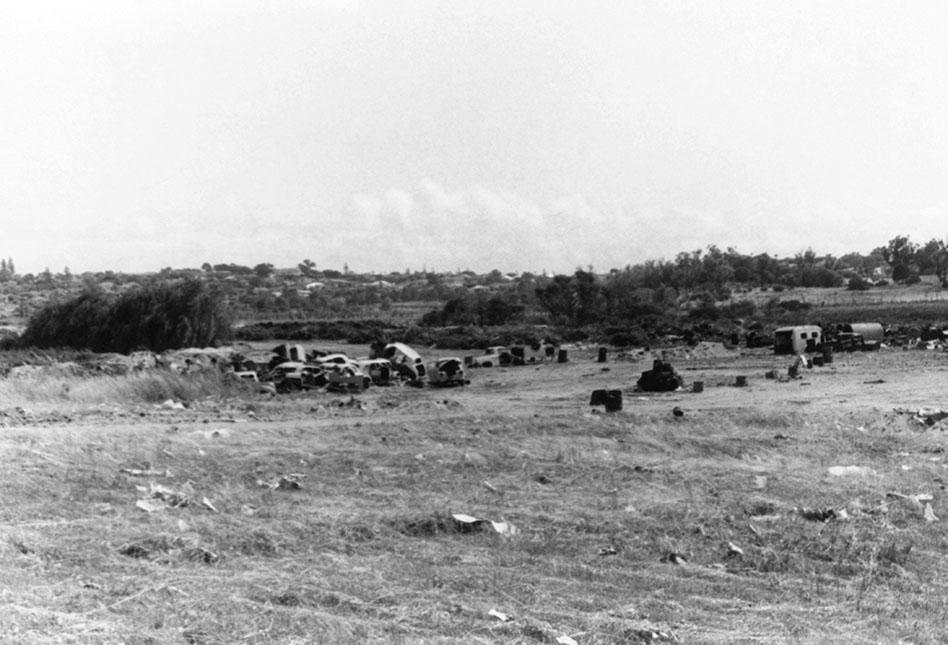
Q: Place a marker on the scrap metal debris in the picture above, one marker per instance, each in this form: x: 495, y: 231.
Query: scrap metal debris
x: 919, y: 502
x: 161, y: 497
x: 674, y: 558
x: 291, y: 481
x: 817, y: 514
x: 465, y: 523
x: 146, y: 472
x: 844, y: 471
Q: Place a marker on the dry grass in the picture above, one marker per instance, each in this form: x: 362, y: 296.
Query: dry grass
x: 59, y: 392
x: 366, y: 550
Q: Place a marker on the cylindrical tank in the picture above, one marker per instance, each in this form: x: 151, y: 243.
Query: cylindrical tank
x: 613, y: 400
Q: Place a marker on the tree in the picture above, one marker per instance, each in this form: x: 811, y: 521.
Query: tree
x: 577, y: 300
x: 901, y: 255
x: 307, y: 268
x: 263, y: 270
x: 933, y: 259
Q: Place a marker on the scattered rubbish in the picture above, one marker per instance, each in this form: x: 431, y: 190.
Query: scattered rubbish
x: 844, y: 471
x: 930, y: 417
x: 734, y: 551
x: 740, y: 381
x: 566, y: 640
x: 540, y: 478
x: 470, y: 524
x: 817, y: 514
x: 678, y: 412
x: 920, y: 502
x: 499, y: 615
x: 770, y: 374
x: 762, y: 507
x: 781, y: 437
x: 490, y: 487
x: 607, y: 550
x: 171, y: 404
x: 877, y: 381
x: 697, y: 387
x: 247, y: 509
x: 291, y: 481
x: 209, y: 505
x: 134, y: 550
x: 673, y: 558
x: 143, y: 472
x: 151, y: 505
x: 648, y: 635
x: 760, y: 482
x: 161, y: 497
x: 177, y: 547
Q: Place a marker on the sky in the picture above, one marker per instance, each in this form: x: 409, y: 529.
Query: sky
x: 450, y: 134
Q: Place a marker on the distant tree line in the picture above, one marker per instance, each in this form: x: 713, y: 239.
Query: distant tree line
x: 155, y: 317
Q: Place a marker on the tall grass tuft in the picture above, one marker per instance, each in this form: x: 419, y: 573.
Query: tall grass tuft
x: 143, y: 387
x: 155, y: 387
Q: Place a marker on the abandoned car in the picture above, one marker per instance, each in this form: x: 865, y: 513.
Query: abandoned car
x: 293, y: 376
x: 496, y: 356
x: 378, y: 369
x: 348, y: 378
x: 446, y: 372
x: 405, y: 360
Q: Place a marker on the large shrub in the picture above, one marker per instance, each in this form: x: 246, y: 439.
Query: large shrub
x: 156, y: 317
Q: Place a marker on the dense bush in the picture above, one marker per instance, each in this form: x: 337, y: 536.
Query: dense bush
x: 353, y: 331
x: 857, y: 283
x: 471, y: 309
x: 156, y: 317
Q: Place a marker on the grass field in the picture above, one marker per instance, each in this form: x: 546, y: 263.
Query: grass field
x: 782, y: 512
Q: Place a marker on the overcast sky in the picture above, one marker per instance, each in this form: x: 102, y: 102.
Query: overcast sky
x: 459, y: 134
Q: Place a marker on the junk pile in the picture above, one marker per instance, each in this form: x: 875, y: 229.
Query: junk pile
x: 661, y: 378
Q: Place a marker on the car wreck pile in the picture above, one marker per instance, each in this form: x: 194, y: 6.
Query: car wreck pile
x: 291, y: 369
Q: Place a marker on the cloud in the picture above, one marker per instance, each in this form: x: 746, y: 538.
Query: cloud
x: 474, y: 228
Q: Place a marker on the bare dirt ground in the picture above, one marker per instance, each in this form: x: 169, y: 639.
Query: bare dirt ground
x: 807, y: 510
